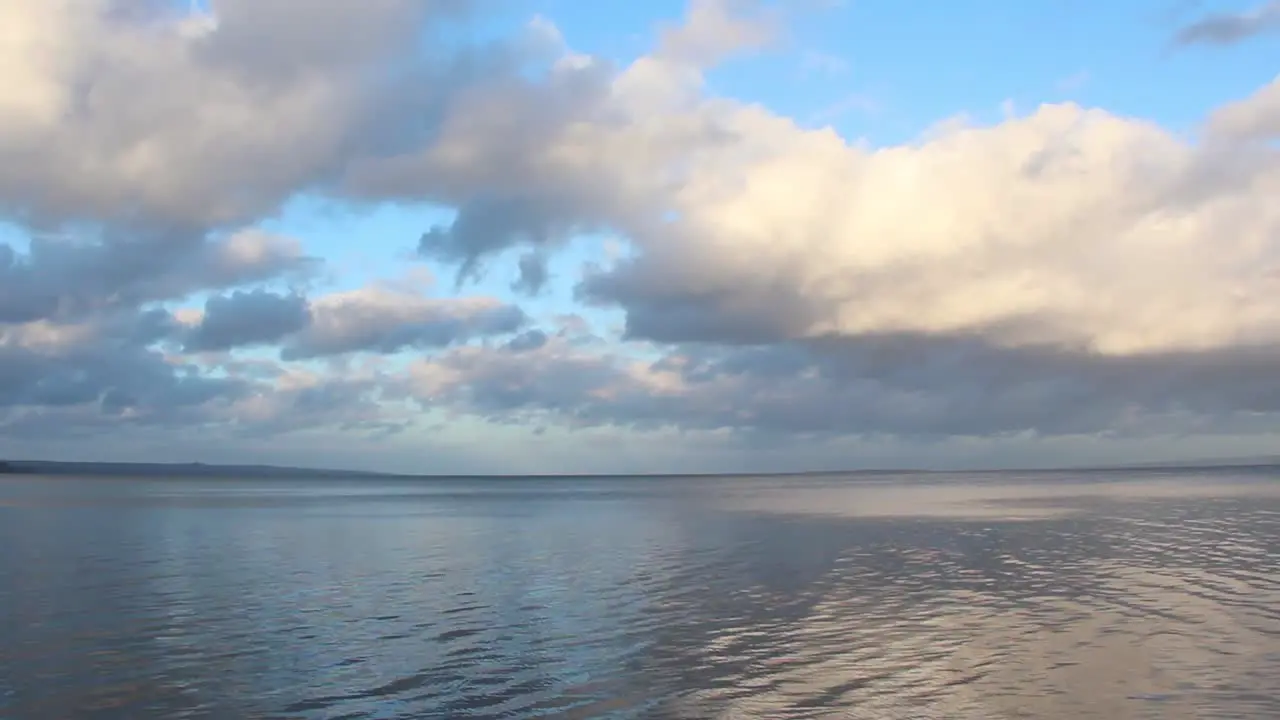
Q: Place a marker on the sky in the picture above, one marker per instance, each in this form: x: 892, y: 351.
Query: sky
x: 554, y: 236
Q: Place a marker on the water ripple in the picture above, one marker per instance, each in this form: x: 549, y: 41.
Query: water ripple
x: 925, y: 597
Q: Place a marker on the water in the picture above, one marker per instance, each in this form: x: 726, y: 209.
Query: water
x: 998, y: 596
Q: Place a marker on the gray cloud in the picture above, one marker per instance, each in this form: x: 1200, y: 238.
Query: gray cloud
x: 383, y: 321
x: 371, y: 320
x: 96, y: 384
x: 674, y: 300
x: 1228, y: 28
x: 526, y: 341
x: 533, y: 274
x: 908, y: 387
x: 64, y: 279
x: 247, y: 318
x: 1252, y: 119
x: 107, y: 376
x: 487, y: 226
x: 357, y: 404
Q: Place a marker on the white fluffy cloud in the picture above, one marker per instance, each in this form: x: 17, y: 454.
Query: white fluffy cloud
x: 1067, y: 226
x: 123, y: 110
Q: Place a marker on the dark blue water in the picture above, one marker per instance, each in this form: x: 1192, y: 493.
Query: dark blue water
x: 999, y: 596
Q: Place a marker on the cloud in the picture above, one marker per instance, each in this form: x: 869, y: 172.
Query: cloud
x: 904, y: 386
x: 1067, y: 227
x: 536, y: 161
x: 64, y: 278
x: 488, y: 225
x: 138, y: 149
x: 356, y: 402
x: 533, y: 274
x: 1256, y: 117
x: 715, y: 29
x: 375, y: 319
x: 112, y: 374
x: 1119, y: 275
x: 87, y: 380
x: 748, y: 228
x: 381, y: 320
x: 526, y: 341
x: 1228, y: 28
x: 242, y: 318
x: 1063, y: 272
x: 116, y: 110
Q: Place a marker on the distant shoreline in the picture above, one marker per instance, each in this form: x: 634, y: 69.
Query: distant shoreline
x: 266, y: 472
x: 196, y: 469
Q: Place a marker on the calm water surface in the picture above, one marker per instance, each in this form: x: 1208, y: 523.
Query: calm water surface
x: 998, y: 596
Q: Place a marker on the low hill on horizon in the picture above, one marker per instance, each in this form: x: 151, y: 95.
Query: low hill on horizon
x: 195, y: 469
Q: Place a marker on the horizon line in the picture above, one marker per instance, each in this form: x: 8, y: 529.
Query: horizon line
x: 37, y: 466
